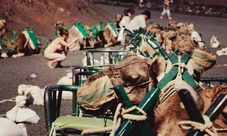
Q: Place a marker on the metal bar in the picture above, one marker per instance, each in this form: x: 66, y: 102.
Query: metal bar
x: 190, y: 106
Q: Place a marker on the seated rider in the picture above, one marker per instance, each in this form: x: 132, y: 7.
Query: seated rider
x: 136, y: 23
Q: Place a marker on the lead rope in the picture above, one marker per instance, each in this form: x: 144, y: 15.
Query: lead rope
x: 207, y: 127
x: 122, y: 113
x: 52, y: 130
x: 7, y: 100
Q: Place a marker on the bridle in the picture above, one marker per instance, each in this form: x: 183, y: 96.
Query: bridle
x: 117, y: 74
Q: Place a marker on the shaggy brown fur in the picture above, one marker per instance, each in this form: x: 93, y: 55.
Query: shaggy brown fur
x: 168, y: 114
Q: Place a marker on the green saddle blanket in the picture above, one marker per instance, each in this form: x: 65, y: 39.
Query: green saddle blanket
x: 81, y: 123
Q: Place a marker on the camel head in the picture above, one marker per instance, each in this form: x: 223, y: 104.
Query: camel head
x: 182, y: 28
x: 169, y: 39
x: 3, y: 27
x: 136, y: 74
x: 59, y: 25
x: 156, y: 30
x: 171, y: 25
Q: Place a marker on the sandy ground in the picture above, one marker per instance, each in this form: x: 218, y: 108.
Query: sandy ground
x: 14, y: 71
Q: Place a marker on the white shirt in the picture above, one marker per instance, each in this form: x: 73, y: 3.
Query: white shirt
x: 124, y: 21
x: 137, y: 22
x: 123, y: 24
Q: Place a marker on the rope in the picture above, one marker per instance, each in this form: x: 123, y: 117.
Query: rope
x: 117, y: 119
x: 52, y: 130
x: 207, y: 127
x: 3, y: 115
x: 119, y: 114
x: 8, y: 100
x: 124, y: 114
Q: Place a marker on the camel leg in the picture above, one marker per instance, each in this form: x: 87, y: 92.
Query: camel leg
x: 4, y: 55
x: 18, y: 55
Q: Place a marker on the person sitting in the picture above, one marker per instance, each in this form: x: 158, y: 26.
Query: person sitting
x: 124, y: 21
x: 57, y: 50
x: 136, y: 23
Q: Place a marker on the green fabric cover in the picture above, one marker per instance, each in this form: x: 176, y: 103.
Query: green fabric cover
x: 80, y: 123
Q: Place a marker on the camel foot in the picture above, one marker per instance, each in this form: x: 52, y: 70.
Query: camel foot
x: 4, y: 55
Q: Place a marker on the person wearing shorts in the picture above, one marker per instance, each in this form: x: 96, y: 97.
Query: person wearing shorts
x: 166, y: 9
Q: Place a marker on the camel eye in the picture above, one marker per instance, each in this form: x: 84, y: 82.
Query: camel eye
x: 172, y: 37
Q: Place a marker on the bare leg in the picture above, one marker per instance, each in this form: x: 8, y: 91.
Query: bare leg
x: 65, y: 52
x: 54, y: 57
x: 50, y: 65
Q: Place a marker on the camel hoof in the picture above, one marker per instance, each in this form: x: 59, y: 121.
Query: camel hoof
x: 14, y: 56
x: 4, y: 55
x: 106, y: 45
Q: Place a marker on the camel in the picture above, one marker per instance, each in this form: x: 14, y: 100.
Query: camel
x: 89, y: 37
x: 19, y: 46
x: 137, y: 75
x: 170, y: 113
x: 175, y: 36
x: 109, y: 35
x: 133, y: 73
x: 156, y: 30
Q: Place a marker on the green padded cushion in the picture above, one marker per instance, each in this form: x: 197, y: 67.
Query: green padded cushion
x: 80, y: 123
